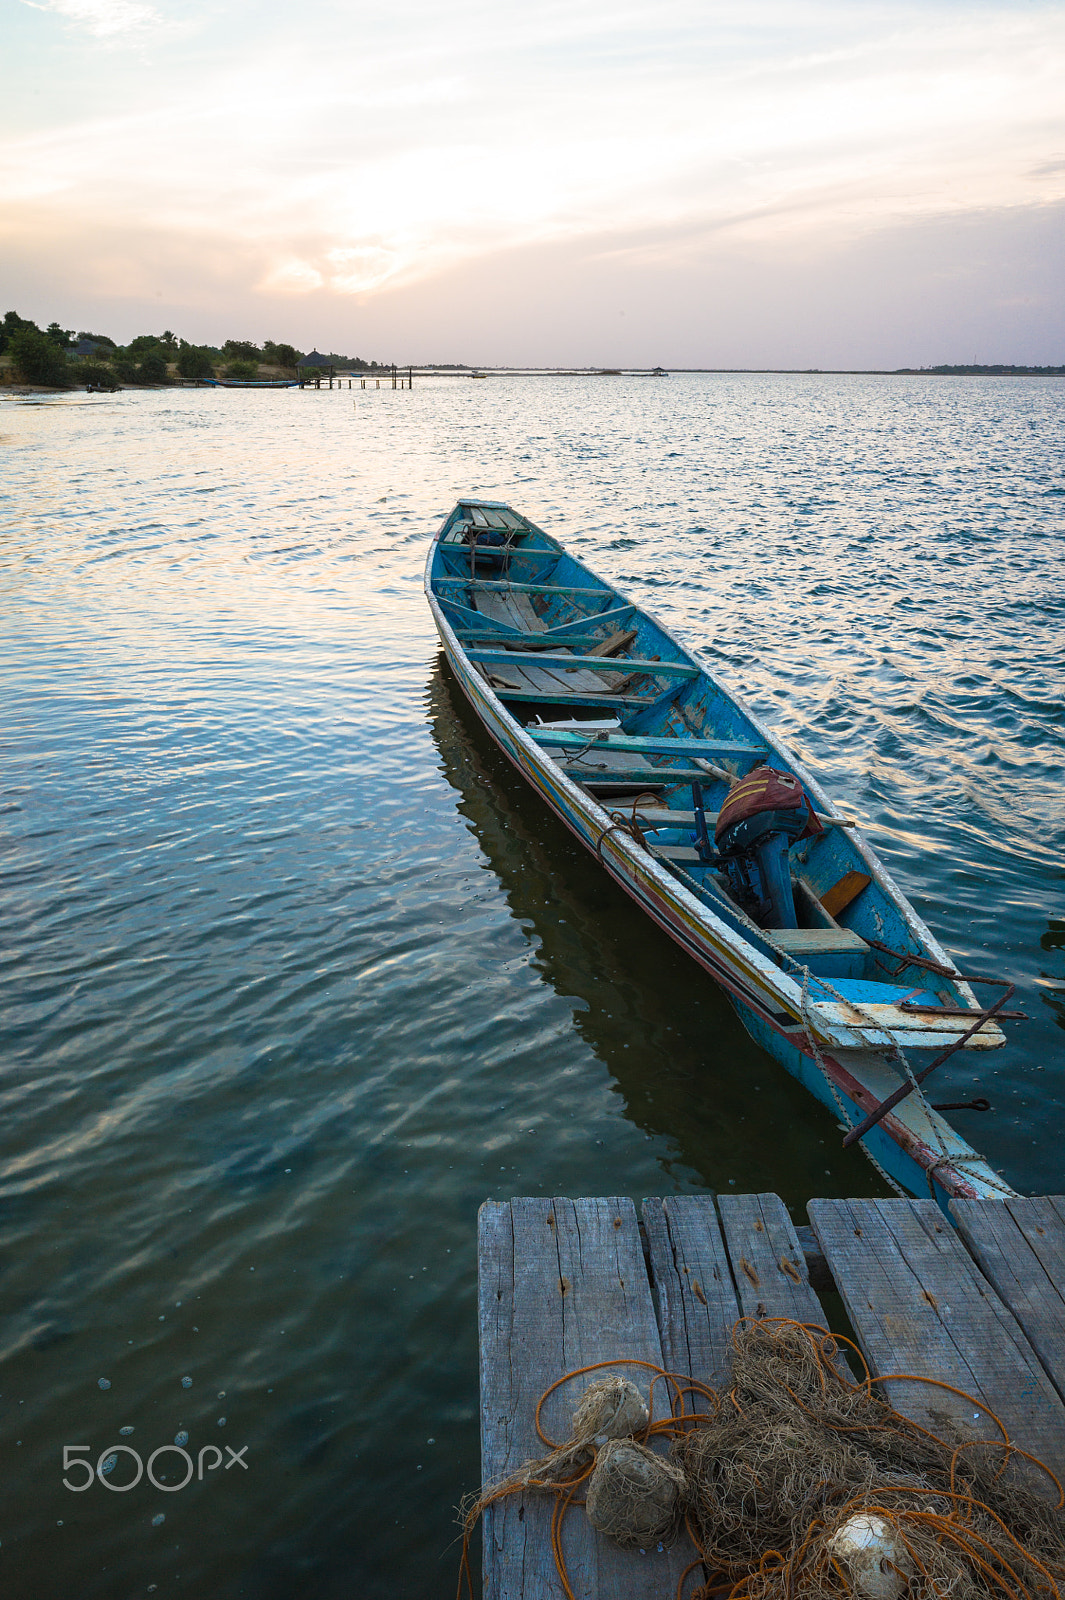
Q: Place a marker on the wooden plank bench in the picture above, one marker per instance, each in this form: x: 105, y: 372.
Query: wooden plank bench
x: 562, y: 662
x: 604, y: 700
x: 488, y: 585
x: 653, y: 744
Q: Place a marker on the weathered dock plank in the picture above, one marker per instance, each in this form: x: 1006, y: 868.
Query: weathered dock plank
x: 693, y: 1287
x: 919, y: 1305
x: 563, y: 1284
x: 1019, y: 1245
x: 767, y: 1259
x: 707, y: 1273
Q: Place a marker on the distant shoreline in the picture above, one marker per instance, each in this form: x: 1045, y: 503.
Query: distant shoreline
x: 454, y: 371
x: 980, y: 371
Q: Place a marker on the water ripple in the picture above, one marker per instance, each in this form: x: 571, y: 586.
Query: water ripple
x: 296, y: 973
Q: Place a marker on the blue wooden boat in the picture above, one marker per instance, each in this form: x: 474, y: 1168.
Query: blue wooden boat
x: 250, y: 383
x: 720, y: 835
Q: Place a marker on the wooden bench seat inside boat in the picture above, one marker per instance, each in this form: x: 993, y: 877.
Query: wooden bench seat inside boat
x: 833, y: 952
x: 572, y: 663
x: 654, y: 744
x: 679, y: 819
x: 674, y: 852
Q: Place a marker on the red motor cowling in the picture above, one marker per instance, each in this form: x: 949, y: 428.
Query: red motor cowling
x: 764, y: 789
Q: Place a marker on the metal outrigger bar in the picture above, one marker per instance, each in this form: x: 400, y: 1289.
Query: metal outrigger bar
x: 906, y: 960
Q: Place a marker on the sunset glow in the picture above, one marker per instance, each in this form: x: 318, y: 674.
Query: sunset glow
x: 397, y: 174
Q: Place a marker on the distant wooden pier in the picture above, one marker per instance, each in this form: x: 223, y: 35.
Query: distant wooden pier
x: 325, y: 377
x: 566, y: 1283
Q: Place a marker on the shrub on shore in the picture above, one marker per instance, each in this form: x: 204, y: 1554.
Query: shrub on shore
x: 153, y: 369
x: 194, y: 363
x: 95, y: 372
x: 36, y: 357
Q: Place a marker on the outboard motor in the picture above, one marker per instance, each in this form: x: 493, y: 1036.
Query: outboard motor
x: 760, y: 819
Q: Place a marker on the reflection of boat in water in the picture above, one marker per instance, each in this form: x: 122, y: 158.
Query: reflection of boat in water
x: 714, y: 830
x: 681, y: 1061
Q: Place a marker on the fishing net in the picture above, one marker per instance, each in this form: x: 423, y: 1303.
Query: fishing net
x: 800, y: 1483
x: 634, y: 1496
x: 611, y: 1407
x: 805, y: 1484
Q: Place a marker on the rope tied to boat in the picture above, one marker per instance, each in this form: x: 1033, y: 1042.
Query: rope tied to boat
x: 801, y: 972
x: 623, y: 824
x: 845, y: 1121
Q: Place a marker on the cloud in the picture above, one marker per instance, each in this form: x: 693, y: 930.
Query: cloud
x: 359, y: 152
x: 103, y: 18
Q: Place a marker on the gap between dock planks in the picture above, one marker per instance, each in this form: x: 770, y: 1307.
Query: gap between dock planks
x: 919, y: 1304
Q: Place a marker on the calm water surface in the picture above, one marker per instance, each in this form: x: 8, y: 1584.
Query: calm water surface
x: 295, y: 973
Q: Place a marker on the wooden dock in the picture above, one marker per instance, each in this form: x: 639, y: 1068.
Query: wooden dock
x: 566, y: 1283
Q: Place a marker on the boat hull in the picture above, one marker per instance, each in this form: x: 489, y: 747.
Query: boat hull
x: 917, y: 1150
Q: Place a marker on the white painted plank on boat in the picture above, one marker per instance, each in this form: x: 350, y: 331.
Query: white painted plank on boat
x: 919, y: 1304
x: 767, y: 1259
x: 562, y: 1284
x: 693, y: 1288
x: 917, y: 1030
x: 1019, y: 1245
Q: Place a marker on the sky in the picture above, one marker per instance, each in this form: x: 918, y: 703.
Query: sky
x: 792, y: 183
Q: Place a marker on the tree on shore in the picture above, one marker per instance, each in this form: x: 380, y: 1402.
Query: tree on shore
x: 11, y: 324
x: 145, y: 358
x: 280, y: 355
x: 194, y: 363
x: 153, y: 369
x: 36, y: 357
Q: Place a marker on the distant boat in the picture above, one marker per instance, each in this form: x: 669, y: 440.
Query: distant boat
x: 478, y: 374
x: 717, y: 832
x: 251, y: 383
